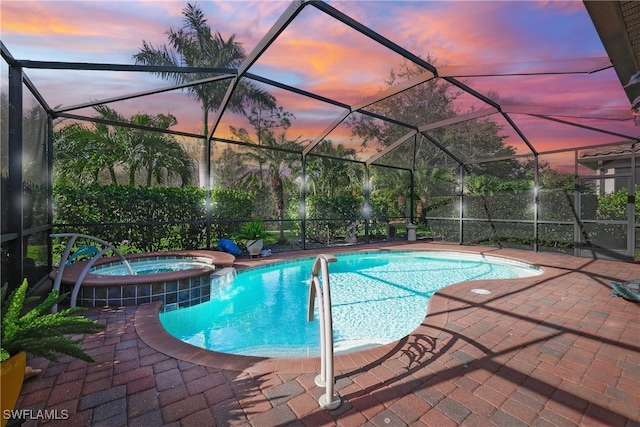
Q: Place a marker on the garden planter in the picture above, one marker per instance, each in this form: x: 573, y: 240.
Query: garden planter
x: 11, y: 379
x: 254, y: 247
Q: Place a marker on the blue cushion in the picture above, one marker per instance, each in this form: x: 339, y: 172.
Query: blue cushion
x: 226, y: 245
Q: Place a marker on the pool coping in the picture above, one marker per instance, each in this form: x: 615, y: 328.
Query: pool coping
x: 151, y: 332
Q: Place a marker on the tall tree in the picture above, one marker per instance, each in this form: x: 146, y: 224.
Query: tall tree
x: 429, y: 102
x: 230, y: 171
x: 195, y: 45
x: 432, y: 101
x: 275, y: 161
x: 159, y: 155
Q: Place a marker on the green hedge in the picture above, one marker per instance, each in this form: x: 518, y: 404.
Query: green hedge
x: 499, y: 206
x: 345, y: 209
x: 136, y: 219
x: 147, y: 219
x: 507, y: 205
x: 320, y: 213
x: 230, y: 208
x: 556, y: 213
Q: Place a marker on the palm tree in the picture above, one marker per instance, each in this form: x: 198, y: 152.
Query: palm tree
x: 160, y: 155
x: 194, y: 45
x: 277, y: 160
x: 81, y: 152
x: 277, y: 166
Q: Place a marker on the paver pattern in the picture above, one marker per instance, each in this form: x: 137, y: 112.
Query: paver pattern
x: 551, y: 350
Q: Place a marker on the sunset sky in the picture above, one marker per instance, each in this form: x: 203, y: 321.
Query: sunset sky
x: 322, y: 55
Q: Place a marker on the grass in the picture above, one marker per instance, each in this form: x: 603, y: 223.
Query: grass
x: 38, y: 253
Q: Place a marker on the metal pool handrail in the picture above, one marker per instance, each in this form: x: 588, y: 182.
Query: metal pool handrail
x: 326, y: 379
x: 65, y: 257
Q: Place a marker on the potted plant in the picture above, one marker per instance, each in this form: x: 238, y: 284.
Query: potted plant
x: 253, y: 232
x: 36, y: 331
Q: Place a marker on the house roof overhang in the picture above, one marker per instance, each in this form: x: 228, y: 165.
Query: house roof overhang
x: 618, y: 25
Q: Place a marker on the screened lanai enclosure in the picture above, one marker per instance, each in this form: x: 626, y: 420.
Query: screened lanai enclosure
x: 198, y: 134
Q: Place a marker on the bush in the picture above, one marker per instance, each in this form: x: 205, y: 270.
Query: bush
x: 140, y: 219
x: 39, y: 332
x: 613, y: 206
x: 328, y: 217
x: 230, y: 209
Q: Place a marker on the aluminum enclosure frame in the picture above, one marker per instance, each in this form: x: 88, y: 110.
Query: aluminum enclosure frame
x: 16, y: 232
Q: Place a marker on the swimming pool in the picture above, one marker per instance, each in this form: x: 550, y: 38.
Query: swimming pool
x: 378, y: 298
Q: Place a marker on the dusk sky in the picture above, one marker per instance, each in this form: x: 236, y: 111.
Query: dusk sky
x: 322, y: 55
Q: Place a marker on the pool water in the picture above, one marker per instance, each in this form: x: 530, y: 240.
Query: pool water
x: 154, y: 266
x: 377, y: 298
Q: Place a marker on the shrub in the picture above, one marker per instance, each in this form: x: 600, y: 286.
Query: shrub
x: 39, y: 332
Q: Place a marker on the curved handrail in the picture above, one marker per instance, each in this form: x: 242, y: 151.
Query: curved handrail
x: 65, y: 257
x: 329, y: 400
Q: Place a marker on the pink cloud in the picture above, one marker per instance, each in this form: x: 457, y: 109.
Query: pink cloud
x: 72, y: 31
x: 569, y: 6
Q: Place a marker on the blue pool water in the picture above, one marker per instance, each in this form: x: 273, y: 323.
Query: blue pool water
x: 377, y: 298
x: 154, y: 266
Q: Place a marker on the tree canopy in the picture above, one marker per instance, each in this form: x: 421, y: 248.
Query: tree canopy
x: 83, y: 152
x: 196, y: 45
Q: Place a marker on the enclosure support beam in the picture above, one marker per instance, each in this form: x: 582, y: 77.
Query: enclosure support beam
x: 145, y: 93
x: 92, y: 66
x: 519, y: 132
x: 461, y: 206
x: 367, y: 32
x: 536, y: 191
x: 413, y: 186
x: 391, y: 147
x: 326, y: 132
x: 577, y: 226
x: 631, y: 205
x: 412, y: 192
x: 49, y: 148
x: 394, y: 90
x: 208, y: 208
x: 303, y: 203
x: 15, y: 197
x: 367, y: 202
x: 459, y: 119
x: 278, y: 27
x: 591, y: 128
x: 442, y: 148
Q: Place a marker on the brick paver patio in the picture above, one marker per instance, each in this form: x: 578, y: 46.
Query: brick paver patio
x: 551, y: 350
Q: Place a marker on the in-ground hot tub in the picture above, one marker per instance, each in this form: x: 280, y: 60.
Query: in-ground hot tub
x: 177, y: 278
